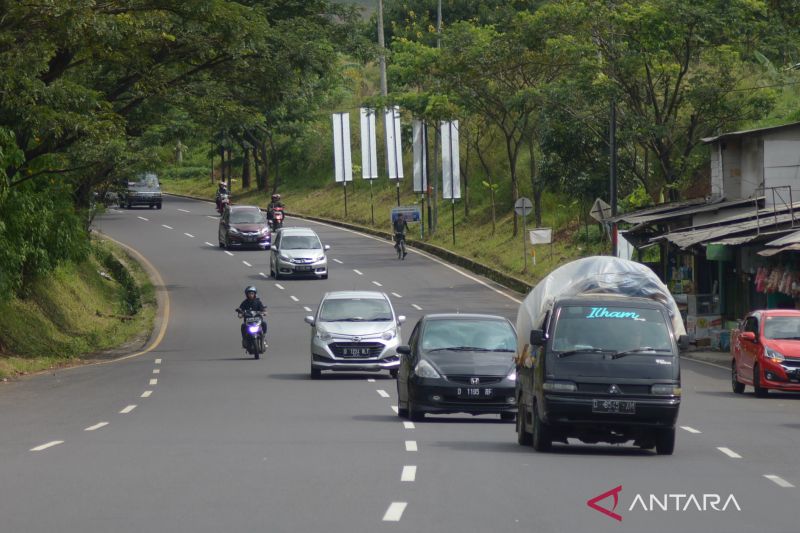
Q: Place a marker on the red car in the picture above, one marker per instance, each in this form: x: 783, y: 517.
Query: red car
x: 766, y: 352
x: 244, y: 226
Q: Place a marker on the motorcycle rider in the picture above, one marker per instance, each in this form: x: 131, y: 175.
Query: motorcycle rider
x: 222, y: 188
x: 252, y: 303
x: 276, y: 202
x: 400, y: 226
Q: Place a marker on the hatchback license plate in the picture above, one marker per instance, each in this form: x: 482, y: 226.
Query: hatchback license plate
x: 355, y: 351
x: 625, y: 407
x: 474, y: 392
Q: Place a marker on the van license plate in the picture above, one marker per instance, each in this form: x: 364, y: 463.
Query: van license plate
x: 614, y: 406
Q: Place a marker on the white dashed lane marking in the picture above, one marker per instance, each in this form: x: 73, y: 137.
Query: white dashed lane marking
x: 127, y: 410
x: 208, y: 243
x: 395, y: 512
x: 394, y: 408
x: 96, y: 426
x: 358, y: 272
x: 158, y: 361
x: 183, y: 210
x: 189, y: 235
x: 370, y: 380
x: 294, y: 298
x: 415, y: 306
x: 408, y: 425
x: 729, y: 452
x: 377, y: 284
x: 396, y: 295
x: 779, y: 481
x: 147, y: 393
x: 279, y: 286
x: 246, y: 263
x: 153, y: 381
x: 383, y: 393
x: 212, y: 218
x: 165, y: 226
x: 156, y: 371
x: 409, y: 473
x: 227, y: 252
x: 336, y: 260
x: 263, y: 275
x: 48, y: 445
x: 690, y: 429
x: 307, y: 309
x: 145, y: 219
x: 411, y: 446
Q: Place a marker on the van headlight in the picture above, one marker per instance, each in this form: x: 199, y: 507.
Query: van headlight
x: 665, y: 389
x: 559, y: 386
x: 425, y: 370
x: 512, y: 375
x: 773, y: 355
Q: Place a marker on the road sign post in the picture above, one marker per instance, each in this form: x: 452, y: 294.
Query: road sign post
x: 523, y: 207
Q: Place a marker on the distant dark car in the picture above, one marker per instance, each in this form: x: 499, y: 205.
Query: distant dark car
x: 244, y: 226
x: 144, y: 190
x: 458, y: 363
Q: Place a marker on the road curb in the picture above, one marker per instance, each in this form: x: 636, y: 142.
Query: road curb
x: 506, y: 280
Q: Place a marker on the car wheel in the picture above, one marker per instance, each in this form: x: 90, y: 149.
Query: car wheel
x: 158, y: 206
x: 393, y: 373
x: 541, y: 437
x: 324, y: 276
x: 761, y: 392
x: 316, y: 373
x: 736, y: 385
x: 665, y: 441
x: 129, y: 205
x: 402, y: 412
x: 508, y: 417
x: 523, y: 437
x: 414, y: 414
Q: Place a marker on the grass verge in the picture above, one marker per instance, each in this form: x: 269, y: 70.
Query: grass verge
x: 77, y: 313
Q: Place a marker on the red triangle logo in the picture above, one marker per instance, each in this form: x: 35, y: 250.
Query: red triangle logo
x: 608, y: 512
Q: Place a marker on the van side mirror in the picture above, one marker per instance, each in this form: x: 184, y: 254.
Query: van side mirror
x: 683, y: 342
x: 404, y: 349
x: 537, y: 337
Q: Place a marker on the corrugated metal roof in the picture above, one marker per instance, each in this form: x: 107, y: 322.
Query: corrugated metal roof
x: 705, y: 207
x: 772, y: 251
x: 686, y: 239
x: 748, y: 132
x: 792, y: 238
x: 661, y: 208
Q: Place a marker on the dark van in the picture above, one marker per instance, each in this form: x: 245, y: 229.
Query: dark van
x: 601, y: 368
x: 142, y: 190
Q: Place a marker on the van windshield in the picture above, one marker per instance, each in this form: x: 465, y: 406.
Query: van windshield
x: 614, y: 329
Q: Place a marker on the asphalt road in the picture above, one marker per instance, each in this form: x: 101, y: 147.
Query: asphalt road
x: 195, y: 436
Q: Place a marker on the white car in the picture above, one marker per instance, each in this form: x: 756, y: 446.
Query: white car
x: 298, y: 252
x: 355, y: 330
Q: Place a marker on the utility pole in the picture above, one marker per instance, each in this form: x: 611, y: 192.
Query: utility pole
x: 382, y: 45
x: 612, y: 145
x: 436, y: 130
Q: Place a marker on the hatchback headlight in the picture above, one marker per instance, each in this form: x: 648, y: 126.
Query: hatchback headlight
x: 323, y: 335
x: 235, y: 231
x: 774, y: 355
x: 512, y: 375
x: 320, y: 258
x: 388, y: 335
x: 425, y: 370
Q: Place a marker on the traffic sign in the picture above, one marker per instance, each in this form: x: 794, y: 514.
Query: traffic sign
x: 600, y: 210
x: 523, y: 207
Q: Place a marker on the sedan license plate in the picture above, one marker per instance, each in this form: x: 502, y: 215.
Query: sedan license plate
x: 355, y: 351
x: 624, y: 407
x: 474, y: 392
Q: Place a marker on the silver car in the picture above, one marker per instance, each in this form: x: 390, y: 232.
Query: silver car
x: 355, y: 330
x: 298, y: 252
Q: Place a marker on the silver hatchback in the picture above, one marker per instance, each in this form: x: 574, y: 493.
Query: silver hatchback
x: 355, y: 330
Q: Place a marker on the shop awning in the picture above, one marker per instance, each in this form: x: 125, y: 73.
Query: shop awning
x: 748, y: 229
x: 792, y: 238
x: 678, y: 210
x: 772, y: 251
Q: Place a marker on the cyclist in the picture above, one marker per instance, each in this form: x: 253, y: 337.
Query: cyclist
x: 400, y: 226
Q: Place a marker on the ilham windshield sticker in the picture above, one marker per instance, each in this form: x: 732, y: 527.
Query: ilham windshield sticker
x: 603, y: 312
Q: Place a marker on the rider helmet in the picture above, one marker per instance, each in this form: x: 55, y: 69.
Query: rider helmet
x: 276, y: 197
x: 251, y: 289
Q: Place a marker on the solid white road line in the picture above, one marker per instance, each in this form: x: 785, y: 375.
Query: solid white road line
x: 227, y: 252
x: 395, y: 512
x: 383, y: 393
x: 294, y: 298
x: 690, y: 429
x: 183, y: 210
x: 189, y: 235
x: 394, y: 408
x: 729, y: 452
x: 246, y: 263
x: 377, y: 284
x: 156, y: 371
x: 408, y: 425
x: 396, y: 295
x: 96, y: 426
x: 358, y: 272
x: 48, y: 445
x: 411, y: 446
x: 208, y: 243
x: 409, y: 473
x: 279, y: 286
x: 158, y: 361
x: 779, y: 481
x: 145, y: 219
x: 153, y: 381
x: 338, y: 261
x: 307, y: 309
x: 127, y: 410
x: 415, y: 306
x: 146, y: 394
x: 165, y: 226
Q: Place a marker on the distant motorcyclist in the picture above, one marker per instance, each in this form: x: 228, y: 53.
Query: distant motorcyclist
x: 400, y: 226
x: 276, y: 202
x: 222, y: 189
x: 252, y: 303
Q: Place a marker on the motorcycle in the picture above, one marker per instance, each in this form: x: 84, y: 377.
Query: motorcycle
x: 254, y: 333
x: 277, y: 218
x: 223, y: 202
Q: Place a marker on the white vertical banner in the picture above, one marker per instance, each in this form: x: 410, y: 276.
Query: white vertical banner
x: 341, y: 147
x: 369, y: 151
x: 394, y: 148
x: 420, y: 161
x: 451, y: 171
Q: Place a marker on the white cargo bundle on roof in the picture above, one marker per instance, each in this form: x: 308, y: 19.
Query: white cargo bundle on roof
x: 593, y: 275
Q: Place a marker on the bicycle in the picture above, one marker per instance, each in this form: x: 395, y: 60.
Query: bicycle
x: 400, y: 245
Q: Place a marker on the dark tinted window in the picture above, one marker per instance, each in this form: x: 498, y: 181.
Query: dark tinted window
x: 495, y: 335
x: 250, y: 216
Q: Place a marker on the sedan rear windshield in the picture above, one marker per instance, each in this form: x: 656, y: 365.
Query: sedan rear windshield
x: 782, y: 327
x: 610, y: 328
x: 355, y: 310
x: 248, y: 217
x: 469, y: 335
x: 300, y: 242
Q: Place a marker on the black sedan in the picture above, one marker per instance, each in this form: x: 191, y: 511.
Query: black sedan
x: 458, y: 363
